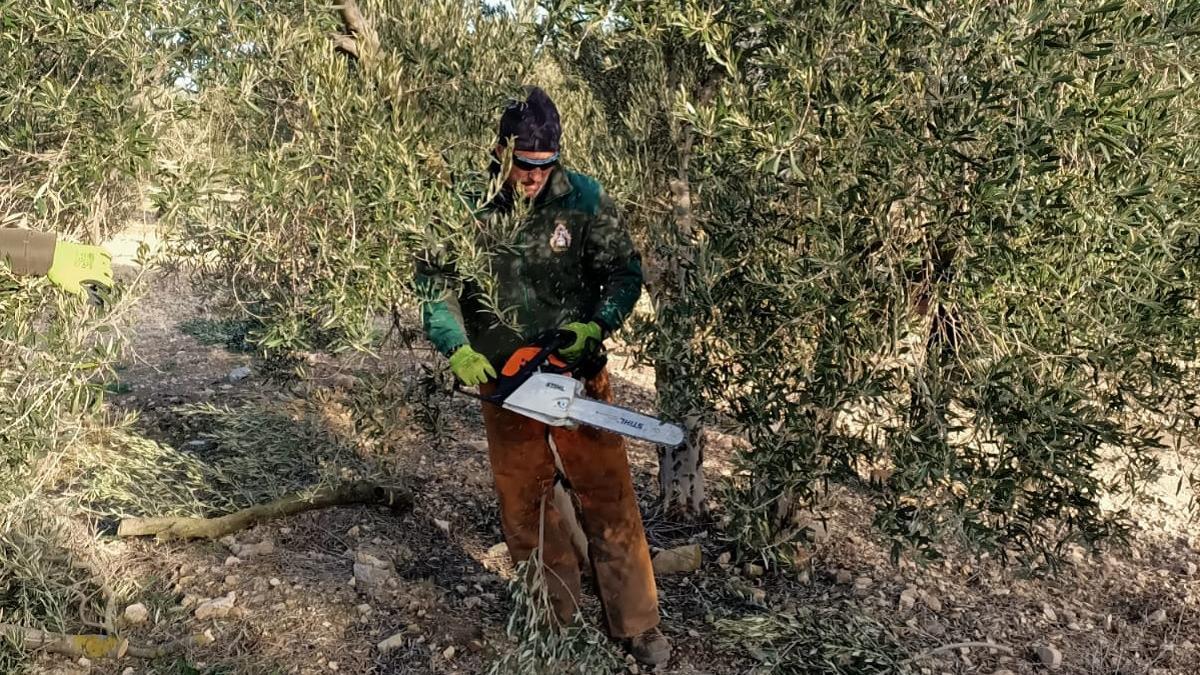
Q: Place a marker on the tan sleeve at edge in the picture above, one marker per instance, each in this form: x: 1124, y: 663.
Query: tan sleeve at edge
x: 27, y: 251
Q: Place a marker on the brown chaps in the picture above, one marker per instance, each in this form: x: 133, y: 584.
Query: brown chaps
x: 597, y: 471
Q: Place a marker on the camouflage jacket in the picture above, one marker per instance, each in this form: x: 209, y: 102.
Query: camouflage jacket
x: 26, y: 251
x: 571, y: 260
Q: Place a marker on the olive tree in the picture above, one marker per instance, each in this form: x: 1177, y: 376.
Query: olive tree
x: 344, y: 145
x: 948, y: 248
x: 84, y: 100
x: 644, y: 67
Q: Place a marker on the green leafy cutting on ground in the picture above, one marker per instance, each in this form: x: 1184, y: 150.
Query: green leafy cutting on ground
x: 232, y: 334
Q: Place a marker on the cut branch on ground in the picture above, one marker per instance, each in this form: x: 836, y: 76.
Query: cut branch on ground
x: 90, y: 646
x: 398, y: 498
x: 97, y: 646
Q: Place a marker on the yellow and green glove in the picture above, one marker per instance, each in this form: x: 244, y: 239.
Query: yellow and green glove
x: 471, y: 367
x: 583, y: 332
x: 77, y: 264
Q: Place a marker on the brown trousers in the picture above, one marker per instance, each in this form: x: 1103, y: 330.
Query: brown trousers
x: 597, y: 470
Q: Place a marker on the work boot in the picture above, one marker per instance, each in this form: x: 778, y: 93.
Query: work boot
x: 651, y: 648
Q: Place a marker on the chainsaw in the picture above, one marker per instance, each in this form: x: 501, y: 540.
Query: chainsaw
x: 537, y: 383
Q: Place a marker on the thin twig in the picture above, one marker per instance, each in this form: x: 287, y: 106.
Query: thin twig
x: 962, y: 645
x: 173, y: 647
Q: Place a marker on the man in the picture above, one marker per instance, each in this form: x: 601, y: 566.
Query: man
x: 67, y: 265
x: 574, y: 267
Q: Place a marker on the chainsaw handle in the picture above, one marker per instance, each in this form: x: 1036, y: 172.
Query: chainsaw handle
x: 504, y: 387
x: 554, y: 339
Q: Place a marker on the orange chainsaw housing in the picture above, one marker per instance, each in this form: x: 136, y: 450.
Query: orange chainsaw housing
x: 524, y: 355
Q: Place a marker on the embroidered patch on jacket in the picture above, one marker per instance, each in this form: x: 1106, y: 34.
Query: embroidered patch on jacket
x: 560, y: 240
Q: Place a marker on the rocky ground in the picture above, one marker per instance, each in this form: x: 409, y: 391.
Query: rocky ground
x: 361, y: 589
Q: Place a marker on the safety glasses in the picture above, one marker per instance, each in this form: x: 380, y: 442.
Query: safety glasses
x: 526, y: 164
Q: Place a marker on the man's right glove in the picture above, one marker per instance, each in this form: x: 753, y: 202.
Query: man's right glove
x: 471, y: 367
x: 77, y: 264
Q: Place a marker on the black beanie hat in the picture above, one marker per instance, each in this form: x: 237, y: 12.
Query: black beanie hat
x: 533, y: 122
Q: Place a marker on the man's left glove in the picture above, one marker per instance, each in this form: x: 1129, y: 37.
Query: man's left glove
x: 77, y: 264
x: 471, y: 367
x: 588, y: 337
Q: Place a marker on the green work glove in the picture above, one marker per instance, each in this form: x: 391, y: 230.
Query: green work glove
x: 77, y: 264
x: 582, y: 331
x: 471, y: 367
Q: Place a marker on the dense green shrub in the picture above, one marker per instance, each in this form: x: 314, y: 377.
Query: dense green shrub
x: 951, y: 242
x: 83, y: 116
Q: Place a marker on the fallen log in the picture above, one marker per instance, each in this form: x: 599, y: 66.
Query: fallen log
x: 362, y: 492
